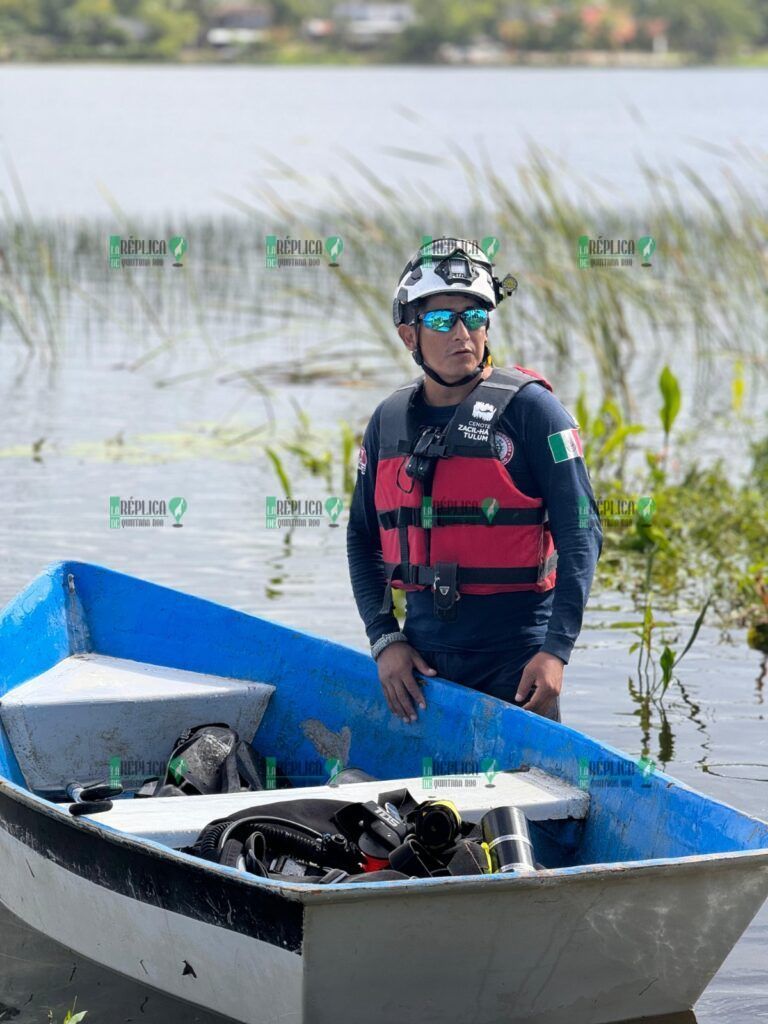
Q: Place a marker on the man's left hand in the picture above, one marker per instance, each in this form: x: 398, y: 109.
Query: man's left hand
x: 541, y: 682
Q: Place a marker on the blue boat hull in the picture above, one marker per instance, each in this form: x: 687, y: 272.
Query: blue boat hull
x: 657, y: 884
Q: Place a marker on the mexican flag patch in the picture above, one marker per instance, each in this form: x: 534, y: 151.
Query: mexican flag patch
x: 565, y: 445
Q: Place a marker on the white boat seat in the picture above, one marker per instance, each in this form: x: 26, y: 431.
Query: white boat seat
x: 75, y: 722
x: 177, y: 821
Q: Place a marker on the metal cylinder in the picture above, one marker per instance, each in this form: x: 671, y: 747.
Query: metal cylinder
x: 505, y: 832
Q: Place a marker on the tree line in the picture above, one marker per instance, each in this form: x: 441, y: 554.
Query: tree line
x: 173, y: 29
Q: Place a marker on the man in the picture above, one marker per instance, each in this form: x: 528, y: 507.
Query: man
x: 472, y: 495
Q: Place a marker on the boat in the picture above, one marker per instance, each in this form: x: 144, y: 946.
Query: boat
x: 641, y: 887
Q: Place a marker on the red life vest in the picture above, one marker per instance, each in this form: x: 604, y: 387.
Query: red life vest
x: 450, y: 516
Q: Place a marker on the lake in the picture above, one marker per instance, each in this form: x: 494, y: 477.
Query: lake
x: 179, y: 140
x: 98, y: 421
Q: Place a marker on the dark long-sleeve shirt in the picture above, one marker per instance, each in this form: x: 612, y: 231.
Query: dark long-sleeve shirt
x: 492, y: 621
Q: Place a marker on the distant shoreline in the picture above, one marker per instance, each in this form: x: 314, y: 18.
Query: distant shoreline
x: 543, y: 60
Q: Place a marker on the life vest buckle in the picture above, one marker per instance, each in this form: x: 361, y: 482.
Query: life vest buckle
x: 445, y: 590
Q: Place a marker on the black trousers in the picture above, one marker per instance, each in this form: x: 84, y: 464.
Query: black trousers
x: 496, y: 673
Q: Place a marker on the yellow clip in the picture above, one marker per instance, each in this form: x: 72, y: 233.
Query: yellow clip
x: 488, y: 857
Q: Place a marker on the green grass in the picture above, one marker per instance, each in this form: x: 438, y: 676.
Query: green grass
x: 703, y: 300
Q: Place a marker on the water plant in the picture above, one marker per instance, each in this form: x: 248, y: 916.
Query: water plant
x: 704, y: 298
x: 72, y: 1016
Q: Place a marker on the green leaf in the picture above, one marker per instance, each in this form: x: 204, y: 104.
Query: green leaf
x: 619, y: 436
x: 667, y: 662
x: 582, y: 412
x: 670, y: 393
x: 696, y: 627
x: 611, y: 408
x: 274, y: 458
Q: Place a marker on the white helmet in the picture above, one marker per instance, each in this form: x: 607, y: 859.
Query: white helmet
x: 448, y: 265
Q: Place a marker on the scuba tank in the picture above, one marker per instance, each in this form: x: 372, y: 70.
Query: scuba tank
x: 506, y: 835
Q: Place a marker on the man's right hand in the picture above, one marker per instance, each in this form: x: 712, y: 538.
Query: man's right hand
x: 396, y: 664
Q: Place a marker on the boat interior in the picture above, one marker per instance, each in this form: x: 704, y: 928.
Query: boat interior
x: 93, y: 719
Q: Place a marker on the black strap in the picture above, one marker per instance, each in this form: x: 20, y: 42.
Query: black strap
x: 424, y: 575
x: 460, y: 515
x: 396, y: 423
x: 431, y: 450
x: 402, y: 533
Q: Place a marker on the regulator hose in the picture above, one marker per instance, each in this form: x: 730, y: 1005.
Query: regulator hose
x: 283, y: 837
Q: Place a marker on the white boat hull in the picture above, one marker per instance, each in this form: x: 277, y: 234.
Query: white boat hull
x: 562, y: 946
x: 616, y: 944
x: 233, y: 974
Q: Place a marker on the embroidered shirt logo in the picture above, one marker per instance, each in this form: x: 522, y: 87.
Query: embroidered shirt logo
x: 362, y: 460
x: 504, y: 447
x: 483, y: 411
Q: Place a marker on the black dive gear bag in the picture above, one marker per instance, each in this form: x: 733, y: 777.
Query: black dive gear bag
x: 207, y: 759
